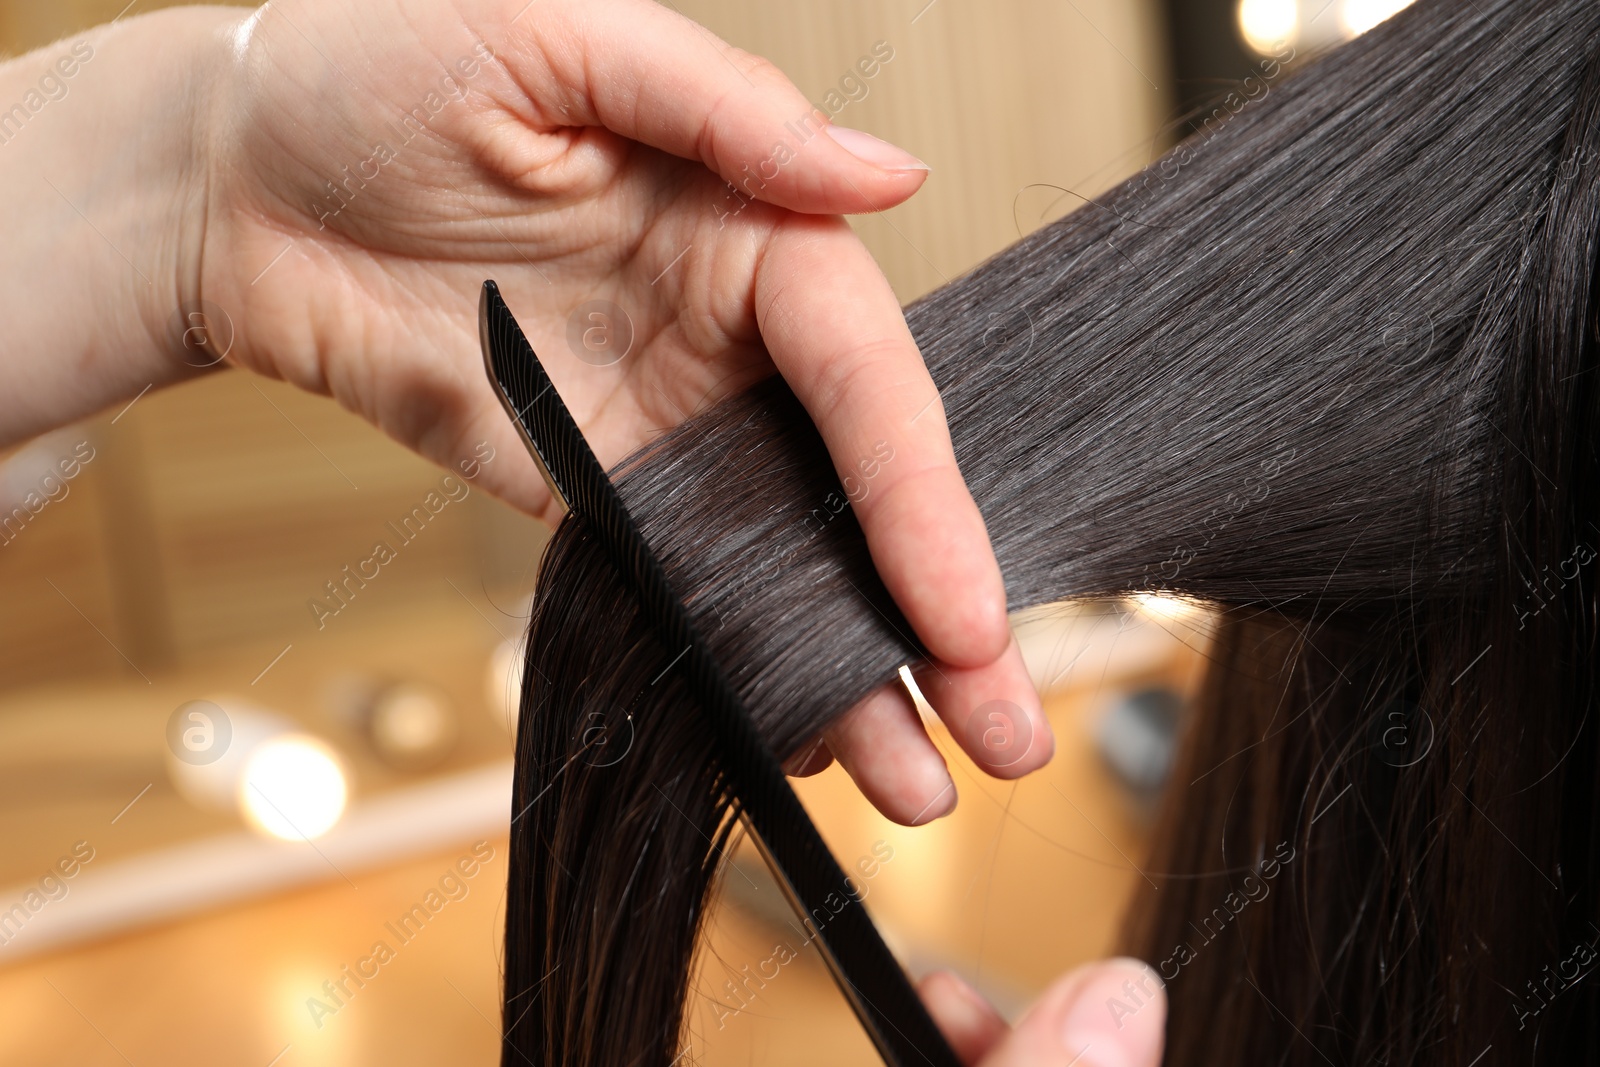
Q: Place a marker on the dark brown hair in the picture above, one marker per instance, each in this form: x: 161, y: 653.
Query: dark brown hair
x: 1328, y: 365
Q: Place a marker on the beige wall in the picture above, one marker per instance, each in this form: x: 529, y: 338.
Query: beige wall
x: 995, y: 96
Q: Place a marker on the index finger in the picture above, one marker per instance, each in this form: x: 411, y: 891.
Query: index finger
x: 836, y: 333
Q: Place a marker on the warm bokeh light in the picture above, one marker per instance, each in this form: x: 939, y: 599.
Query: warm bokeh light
x: 1359, y: 16
x: 1164, y: 607
x: 413, y: 726
x: 293, y: 788
x: 1267, y: 24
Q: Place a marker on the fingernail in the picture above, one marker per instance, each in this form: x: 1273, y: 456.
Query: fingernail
x: 870, y: 149
x: 942, y: 804
x: 973, y: 998
x: 960, y: 1004
x: 999, y: 734
x: 1100, y: 1028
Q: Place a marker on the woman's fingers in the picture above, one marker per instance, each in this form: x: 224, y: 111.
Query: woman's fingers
x: 836, y: 333
x: 882, y: 744
x: 967, y: 1021
x: 652, y: 75
x: 813, y: 759
x: 1109, y: 1014
x: 993, y: 712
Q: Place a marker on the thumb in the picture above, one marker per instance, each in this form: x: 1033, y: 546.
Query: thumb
x: 1110, y: 1014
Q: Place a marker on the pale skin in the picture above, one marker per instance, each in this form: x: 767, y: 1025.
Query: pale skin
x: 228, y: 163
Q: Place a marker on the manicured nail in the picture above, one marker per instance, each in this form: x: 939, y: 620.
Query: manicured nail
x: 870, y: 149
x: 1100, y: 1027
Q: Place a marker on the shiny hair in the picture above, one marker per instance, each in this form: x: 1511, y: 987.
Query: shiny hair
x: 1328, y: 366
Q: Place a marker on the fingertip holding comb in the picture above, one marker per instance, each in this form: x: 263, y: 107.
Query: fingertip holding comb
x: 866, y: 972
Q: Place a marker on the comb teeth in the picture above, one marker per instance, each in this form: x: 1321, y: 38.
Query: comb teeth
x: 529, y: 397
x: 863, y: 967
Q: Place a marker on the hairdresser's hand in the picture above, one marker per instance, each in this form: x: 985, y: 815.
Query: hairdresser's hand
x: 583, y: 151
x: 330, y: 182
x: 1110, y: 1014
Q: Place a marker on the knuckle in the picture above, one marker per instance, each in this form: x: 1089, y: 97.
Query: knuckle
x: 842, y: 379
x: 887, y: 497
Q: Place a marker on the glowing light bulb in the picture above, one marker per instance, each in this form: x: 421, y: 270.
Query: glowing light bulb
x: 1267, y: 24
x: 1359, y: 16
x: 293, y: 787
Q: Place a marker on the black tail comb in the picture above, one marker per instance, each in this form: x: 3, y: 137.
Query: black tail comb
x: 862, y: 965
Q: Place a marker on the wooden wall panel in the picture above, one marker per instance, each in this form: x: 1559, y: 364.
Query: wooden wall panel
x: 55, y: 578
x: 261, y: 494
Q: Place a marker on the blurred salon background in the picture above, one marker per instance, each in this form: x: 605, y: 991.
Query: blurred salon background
x: 229, y: 770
